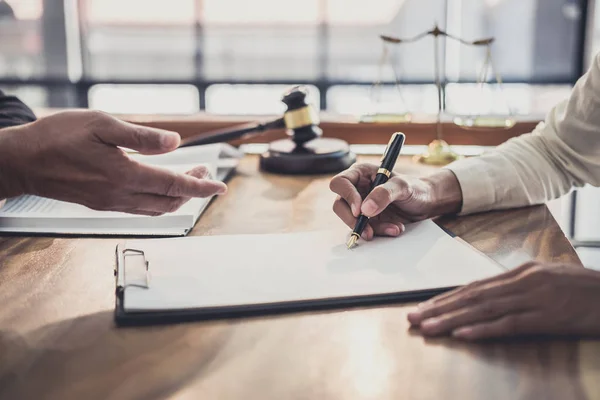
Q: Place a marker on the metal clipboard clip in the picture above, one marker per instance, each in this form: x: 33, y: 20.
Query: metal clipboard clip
x: 121, y: 268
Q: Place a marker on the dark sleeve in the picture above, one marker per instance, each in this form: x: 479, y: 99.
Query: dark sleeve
x: 13, y: 111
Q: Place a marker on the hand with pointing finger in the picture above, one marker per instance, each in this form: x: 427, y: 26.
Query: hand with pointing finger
x: 402, y: 199
x: 75, y: 156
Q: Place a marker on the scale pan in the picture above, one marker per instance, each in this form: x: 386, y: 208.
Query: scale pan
x: 386, y: 118
x: 488, y: 121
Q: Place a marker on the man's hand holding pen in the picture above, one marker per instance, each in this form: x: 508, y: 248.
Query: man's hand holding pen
x: 402, y: 199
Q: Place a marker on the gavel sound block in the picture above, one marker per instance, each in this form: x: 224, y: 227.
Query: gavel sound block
x: 305, y: 152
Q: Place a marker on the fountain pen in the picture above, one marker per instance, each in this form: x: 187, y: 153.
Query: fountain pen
x: 388, y: 160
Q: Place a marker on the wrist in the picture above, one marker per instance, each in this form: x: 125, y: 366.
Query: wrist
x: 9, y: 155
x: 446, y: 193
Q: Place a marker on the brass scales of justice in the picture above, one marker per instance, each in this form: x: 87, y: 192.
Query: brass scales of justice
x: 438, y: 151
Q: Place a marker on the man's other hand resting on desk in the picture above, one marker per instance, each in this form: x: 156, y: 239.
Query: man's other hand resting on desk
x: 74, y: 156
x: 560, y: 154
x: 533, y: 299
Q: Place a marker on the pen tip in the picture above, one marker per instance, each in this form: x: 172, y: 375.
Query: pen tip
x: 352, y: 241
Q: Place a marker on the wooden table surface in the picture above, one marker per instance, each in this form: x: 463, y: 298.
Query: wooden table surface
x: 58, y: 339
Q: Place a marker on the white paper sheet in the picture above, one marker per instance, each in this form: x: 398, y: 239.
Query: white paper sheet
x: 215, y: 271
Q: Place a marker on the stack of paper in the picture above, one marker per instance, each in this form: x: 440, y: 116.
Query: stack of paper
x: 33, y: 214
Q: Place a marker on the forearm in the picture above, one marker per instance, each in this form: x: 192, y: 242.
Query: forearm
x: 522, y: 172
x: 561, y: 153
x: 9, y: 144
x: 4, y: 192
x: 4, y: 174
x: 13, y: 112
x: 446, y: 192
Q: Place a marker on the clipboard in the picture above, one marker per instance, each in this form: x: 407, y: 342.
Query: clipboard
x: 200, y: 278
x: 125, y: 318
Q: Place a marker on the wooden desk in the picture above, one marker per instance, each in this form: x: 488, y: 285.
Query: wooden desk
x: 58, y: 340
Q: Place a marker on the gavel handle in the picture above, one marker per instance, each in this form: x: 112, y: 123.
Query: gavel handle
x: 225, y: 135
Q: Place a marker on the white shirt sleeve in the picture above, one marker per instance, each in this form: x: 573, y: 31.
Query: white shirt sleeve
x: 561, y: 153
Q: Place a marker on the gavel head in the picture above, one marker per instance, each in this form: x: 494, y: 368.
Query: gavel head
x: 301, y: 119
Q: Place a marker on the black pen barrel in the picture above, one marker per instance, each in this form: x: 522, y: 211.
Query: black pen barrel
x: 361, y: 224
x: 380, y: 179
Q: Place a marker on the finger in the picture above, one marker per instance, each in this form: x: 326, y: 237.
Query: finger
x: 392, y: 216
x: 344, y: 184
x: 341, y: 209
x: 151, y: 204
x: 387, y: 228
x: 472, y: 297
x: 140, y: 212
x: 486, y: 311
x: 507, y: 326
x: 368, y: 233
x: 200, y: 172
x: 505, y: 275
x: 156, y: 180
x: 395, y: 189
x: 388, y: 224
x: 145, y: 140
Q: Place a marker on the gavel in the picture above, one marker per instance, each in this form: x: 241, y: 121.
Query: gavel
x: 304, y: 152
x: 300, y: 120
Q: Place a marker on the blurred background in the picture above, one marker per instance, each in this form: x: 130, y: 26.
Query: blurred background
x: 237, y: 56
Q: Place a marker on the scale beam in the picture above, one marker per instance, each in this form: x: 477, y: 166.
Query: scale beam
x: 439, y: 151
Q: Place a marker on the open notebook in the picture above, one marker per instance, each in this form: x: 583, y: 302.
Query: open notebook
x: 222, y: 276
x: 32, y: 214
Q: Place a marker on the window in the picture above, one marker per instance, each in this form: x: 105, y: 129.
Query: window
x: 217, y: 52
x: 33, y: 96
x: 139, y: 39
x: 261, y: 39
x: 595, y: 32
x: 354, y: 49
x: 536, y: 41
x: 513, y: 99
x: 22, y: 44
x: 251, y: 99
x: 366, y: 100
x: 144, y: 99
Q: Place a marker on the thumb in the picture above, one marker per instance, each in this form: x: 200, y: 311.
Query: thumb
x: 143, y: 139
x: 382, y: 196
